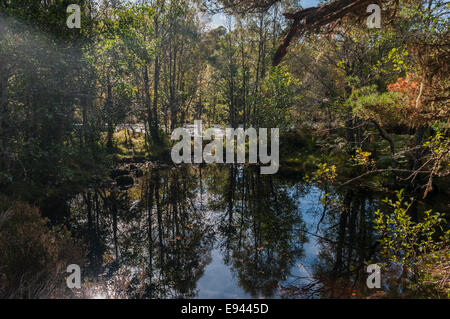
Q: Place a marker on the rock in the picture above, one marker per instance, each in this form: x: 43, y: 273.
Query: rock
x: 124, y: 180
x: 119, y: 172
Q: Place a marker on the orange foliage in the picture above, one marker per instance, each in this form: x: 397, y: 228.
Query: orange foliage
x: 412, y: 109
x: 406, y: 86
x: 423, y: 102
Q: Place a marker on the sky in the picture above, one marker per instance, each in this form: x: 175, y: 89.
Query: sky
x: 220, y: 19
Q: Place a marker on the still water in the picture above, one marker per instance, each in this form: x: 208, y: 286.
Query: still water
x: 225, y: 232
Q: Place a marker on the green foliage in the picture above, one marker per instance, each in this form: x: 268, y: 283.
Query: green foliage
x: 324, y: 174
x: 439, y: 145
x: 439, y: 158
x: 279, y: 93
x: 363, y: 158
x: 369, y: 104
x: 394, y: 62
x: 414, y: 245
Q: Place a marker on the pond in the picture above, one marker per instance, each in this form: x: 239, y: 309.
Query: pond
x: 225, y: 231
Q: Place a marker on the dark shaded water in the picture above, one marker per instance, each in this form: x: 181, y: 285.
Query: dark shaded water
x: 225, y: 232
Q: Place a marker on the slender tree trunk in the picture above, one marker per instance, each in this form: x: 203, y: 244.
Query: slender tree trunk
x: 259, y: 68
x: 172, y: 83
x: 244, y: 83
x: 109, y: 107
x: 231, y: 92
x: 154, y: 126
x: 420, y: 131
x: 385, y: 136
x: 4, y: 116
x: 148, y: 103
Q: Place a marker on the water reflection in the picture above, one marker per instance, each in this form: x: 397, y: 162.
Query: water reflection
x: 345, y: 241
x: 225, y: 231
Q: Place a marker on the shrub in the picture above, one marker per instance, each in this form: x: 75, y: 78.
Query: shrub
x: 415, y: 246
x: 33, y: 256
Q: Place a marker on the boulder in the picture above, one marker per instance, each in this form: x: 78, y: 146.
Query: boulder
x: 124, y: 180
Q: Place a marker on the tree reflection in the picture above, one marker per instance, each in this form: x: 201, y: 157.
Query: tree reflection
x: 158, y: 235
x: 156, y: 229
x: 259, y: 223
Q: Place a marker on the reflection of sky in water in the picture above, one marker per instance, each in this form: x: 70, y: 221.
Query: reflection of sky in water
x: 219, y: 282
